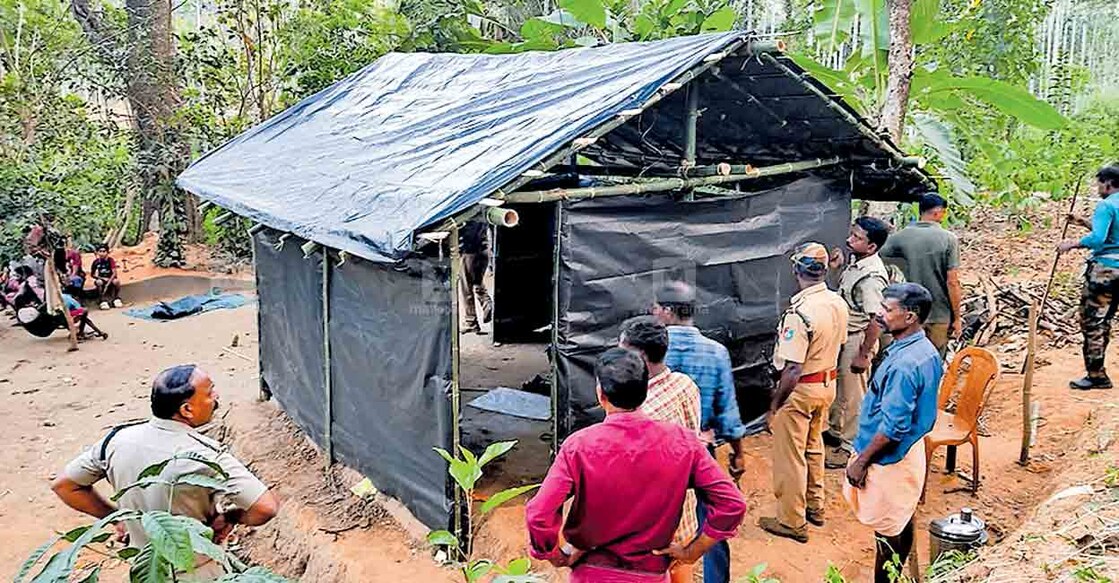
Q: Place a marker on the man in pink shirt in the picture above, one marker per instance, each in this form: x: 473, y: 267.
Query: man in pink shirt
x: 627, y: 478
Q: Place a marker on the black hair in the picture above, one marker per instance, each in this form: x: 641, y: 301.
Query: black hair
x: 101, y: 247
x: 171, y: 388
x: 23, y: 271
x: 679, y: 298
x: 912, y: 296
x: 646, y: 334
x: 877, y: 231
x: 1109, y: 174
x: 930, y: 201
x: 623, y: 377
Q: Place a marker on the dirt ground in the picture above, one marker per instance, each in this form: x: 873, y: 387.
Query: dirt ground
x: 58, y: 403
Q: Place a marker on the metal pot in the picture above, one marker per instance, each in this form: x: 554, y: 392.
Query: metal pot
x: 959, y: 532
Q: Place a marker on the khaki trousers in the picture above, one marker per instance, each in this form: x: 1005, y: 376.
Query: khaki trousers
x: 798, y: 452
x: 938, y: 335
x: 843, y: 416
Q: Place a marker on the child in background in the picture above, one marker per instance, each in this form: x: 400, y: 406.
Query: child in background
x: 104, y: 272
x: 75, y: 275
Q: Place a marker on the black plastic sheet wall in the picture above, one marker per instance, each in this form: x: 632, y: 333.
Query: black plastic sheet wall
x: 289, y: 289
x: 615, y: 252
x: 390, y: 348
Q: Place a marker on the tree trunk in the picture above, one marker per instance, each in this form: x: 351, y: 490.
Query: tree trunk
x: 151, y: 86
x: 892, y: 116
x: 900, y: 71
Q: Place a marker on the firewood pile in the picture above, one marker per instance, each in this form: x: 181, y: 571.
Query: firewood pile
x: 996, y: 316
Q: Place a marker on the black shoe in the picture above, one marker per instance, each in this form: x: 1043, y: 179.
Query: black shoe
x: 815, y: 517
x: 1088, y: 383
x: 836, y: 458
x: 831, y: 440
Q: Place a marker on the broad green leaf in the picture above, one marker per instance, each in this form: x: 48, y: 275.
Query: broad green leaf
x: 202, y: 459
x: 465, y: 474
x: 141, y: 484
x: 526, y: 578
x: 562, y: 18
x: 170, y: 538
x: 73, y: 534
x: 149, y: 567
x: 832, y: 21
x: 517, y: 567
x: 444, y: 454
x: 644, y: 26
x: 101, y: 537
x: 34, y: 558
x: 204, y: 545
x: 875, y: 36
x: 496, y: 450
x: 1009, y: 99
x: 925, y: 24
x: 535, y: 28
x: 61, y: 565
x: 937, y: 136
x: 720, y: 21
x: 587, y: 41
x: 93, y: 576
x: 128, y: 552
x: 468, y: 455
x: 252, y: 575
x: 154, y: 469
x: 504, y: 496
x: 202, y: 481
x: 442, y: 538
x: 592, y: 12
x: 477, y: 569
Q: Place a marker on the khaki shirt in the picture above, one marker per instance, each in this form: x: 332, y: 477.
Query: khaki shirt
x: 134, y: 448
x: 812, y: 330
x: 861, y: 286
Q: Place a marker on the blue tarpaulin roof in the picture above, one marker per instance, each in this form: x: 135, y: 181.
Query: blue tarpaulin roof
x: 415, y: 138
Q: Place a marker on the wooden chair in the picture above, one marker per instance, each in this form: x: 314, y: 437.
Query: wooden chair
x: 953, y: 430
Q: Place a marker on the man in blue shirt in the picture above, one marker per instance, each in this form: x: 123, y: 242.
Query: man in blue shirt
x: 1101, y: 278
x: 887, y: 473
x: 708, y: 363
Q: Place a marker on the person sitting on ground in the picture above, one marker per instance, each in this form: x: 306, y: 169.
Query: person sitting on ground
x: 886, y: 474
x: 28, y: 290
x: 626, y: 479
x: 673, y: 397
x: 104, y: 271
x: 8, y: 285
x: 75, y: 275
x: 182, y: 400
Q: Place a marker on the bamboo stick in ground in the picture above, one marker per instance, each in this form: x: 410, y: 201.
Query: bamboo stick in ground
x: 1027, y: 385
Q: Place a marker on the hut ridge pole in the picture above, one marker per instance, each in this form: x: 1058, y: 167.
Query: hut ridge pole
x: 1027, y: 386
x: 459, y: 518
x: 328, y: 388
x: 666, y: 184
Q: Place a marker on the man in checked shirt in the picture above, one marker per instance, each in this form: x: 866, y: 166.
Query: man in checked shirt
x: 672, y: 397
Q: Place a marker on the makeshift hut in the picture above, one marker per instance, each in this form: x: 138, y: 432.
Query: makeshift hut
x: 707, y: 158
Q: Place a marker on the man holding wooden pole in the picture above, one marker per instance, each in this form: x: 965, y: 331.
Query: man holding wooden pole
x: 1098, y: 300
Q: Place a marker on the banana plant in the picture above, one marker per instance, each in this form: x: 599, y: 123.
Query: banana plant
x: 936, y: 95
x: 466, y: 469
x: 174, y: 541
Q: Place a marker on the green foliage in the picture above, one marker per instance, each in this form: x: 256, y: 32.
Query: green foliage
x: 174, y: 541
x: 466, y: 470
x: 833, y: 575
x: 757, y: 575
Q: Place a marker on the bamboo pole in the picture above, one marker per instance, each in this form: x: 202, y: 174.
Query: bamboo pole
x: 328, y: 387
x: 461, y: 514
x: 666, y: 184
x: 1027, y: 386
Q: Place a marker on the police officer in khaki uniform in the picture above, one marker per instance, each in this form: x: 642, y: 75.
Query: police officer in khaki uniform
x: 183, y: 398
x: 811, y: 333
x: 860, y: 285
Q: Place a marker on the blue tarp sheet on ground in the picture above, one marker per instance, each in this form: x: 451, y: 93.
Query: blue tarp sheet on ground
x: 187, y: 306
x: 414, y: 138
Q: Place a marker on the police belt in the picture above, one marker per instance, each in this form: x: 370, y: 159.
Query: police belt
x: 820, y: 377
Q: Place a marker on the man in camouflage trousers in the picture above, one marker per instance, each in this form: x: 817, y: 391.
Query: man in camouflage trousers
x: 1098, y: 300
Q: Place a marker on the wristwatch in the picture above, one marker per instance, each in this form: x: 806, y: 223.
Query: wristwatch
x: 567, y: 549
